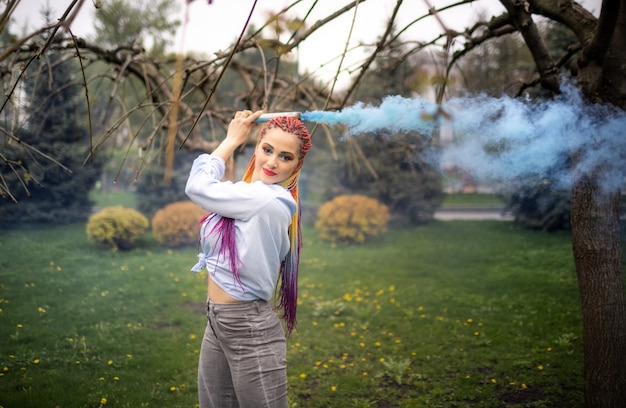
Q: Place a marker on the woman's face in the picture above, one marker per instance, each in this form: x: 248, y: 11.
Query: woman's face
x: 276, y: 156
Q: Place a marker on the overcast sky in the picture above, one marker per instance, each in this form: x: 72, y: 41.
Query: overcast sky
x: 214, y: 27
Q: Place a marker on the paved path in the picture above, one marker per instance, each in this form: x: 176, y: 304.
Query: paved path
x: 471, y: 213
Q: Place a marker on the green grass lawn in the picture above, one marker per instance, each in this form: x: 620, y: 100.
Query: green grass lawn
x: 472, y: 199
x: 450, y: 314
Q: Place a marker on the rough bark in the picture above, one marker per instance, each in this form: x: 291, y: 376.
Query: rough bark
x: 596, y: 247
x: 596, y: 228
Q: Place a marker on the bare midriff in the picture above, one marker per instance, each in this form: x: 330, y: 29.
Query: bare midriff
x: 218, y: 295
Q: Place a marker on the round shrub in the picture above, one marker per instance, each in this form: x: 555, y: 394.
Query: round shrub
x: 352, y: 219
x: 176, y: 224
x: 118, y: 227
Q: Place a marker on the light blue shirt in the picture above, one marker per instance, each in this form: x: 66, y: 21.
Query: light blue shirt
x: 262, y: 214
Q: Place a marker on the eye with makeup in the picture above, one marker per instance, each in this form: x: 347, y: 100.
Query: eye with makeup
x: 284, y: 156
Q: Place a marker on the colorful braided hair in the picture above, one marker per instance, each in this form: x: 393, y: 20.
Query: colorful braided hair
x: 225, y: 228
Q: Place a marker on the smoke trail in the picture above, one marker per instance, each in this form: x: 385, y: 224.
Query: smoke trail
x: 501, y: 140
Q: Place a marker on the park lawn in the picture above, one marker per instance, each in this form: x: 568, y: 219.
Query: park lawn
x: 448, y: 314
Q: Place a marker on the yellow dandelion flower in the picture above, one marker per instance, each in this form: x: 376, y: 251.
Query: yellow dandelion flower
x: 303, y: 376
x: 116, y: 378
x: 540, y: 367
x: 36, y: 361
x: 362, y: 344
x: 41, y: 309
x: 493, y: 380
x: 476, y: 333
x: 333, y: 388
x: 173, y: 388
x: 470, y: 320
x: 103, y: 401
x: 377, y: 344
x: 524, y: 386
x: 382, y: 359
x: 110, y: 362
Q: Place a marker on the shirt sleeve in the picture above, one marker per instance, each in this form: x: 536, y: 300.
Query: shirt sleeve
x: 233, y: 200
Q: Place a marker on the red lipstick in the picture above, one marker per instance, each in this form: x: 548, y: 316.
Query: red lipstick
x: 268, y: 172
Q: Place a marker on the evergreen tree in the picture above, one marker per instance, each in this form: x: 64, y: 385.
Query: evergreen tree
x: 56, y: 127
x: 399, y: 171
x: 153, y: 193
x: 403, y: 178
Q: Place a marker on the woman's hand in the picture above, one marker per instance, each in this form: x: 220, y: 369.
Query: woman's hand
x: 237, y: 134
x: 241, y: 125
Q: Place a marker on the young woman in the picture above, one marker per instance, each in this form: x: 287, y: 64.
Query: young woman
x: 250, y: 241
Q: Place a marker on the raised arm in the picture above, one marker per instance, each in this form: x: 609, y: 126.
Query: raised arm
x: 237, y: 134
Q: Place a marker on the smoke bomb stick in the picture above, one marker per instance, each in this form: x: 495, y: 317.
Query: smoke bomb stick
x: 266, y: 117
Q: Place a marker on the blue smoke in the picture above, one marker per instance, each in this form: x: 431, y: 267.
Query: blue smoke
x: 503, y: 140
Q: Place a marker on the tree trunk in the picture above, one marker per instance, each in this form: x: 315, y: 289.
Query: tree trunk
x: 597, y: 256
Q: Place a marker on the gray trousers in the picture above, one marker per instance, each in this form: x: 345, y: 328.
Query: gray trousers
x: 243, y: 357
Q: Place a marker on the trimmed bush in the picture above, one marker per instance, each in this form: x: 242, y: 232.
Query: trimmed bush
x: 176, y: 224
x: 118, y: 227
x: 352, y: 219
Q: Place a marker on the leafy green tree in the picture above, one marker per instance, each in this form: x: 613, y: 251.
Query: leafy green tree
x: 57, y: 126
x: 149, y: 23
